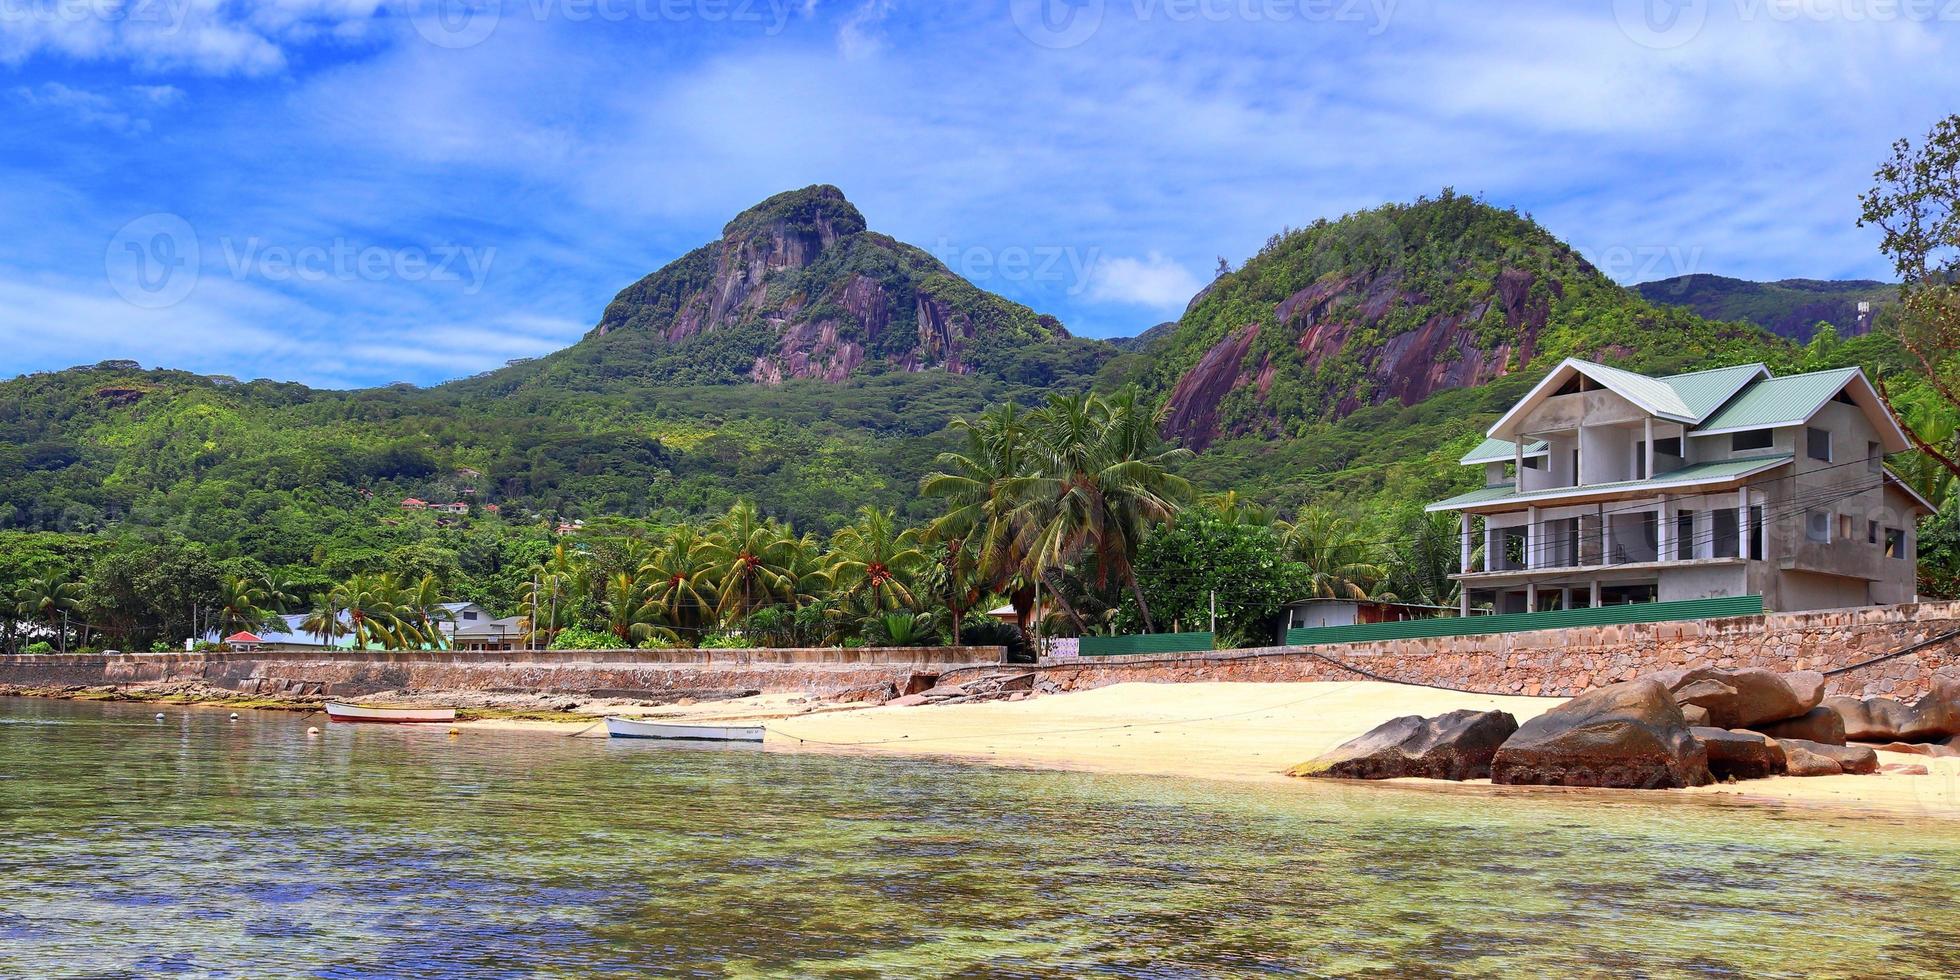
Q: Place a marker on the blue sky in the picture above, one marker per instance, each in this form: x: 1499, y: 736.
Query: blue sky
x: 357, y: 192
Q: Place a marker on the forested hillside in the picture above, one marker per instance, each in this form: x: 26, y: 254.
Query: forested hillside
x: 1343, y: 369
x: 1791, y: 308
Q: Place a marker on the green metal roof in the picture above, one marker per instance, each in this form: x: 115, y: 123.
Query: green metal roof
x: 1705, y: 391
x: 1651, y: 393
x: 1778, y: 402
x: 1502, y: 451
x: 1699, y: 474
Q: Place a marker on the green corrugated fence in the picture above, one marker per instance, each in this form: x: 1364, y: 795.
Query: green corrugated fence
x: 1118, y: 646
x: 1640, y: 612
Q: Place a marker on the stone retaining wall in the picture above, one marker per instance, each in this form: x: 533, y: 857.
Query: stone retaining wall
x: 826, y: 672
x: 1563, y: 663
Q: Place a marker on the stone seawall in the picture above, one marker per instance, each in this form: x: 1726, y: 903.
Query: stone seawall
x: 1562, y: 663
x: 827, y: 672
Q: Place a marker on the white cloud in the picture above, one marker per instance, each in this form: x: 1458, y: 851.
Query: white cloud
x: 1153, y: 281
x: 118, y: 111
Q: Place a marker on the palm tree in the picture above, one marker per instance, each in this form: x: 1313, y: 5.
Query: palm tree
x: 241, y: 605
x: 325, y: 619
x: 680, y: 579
x: 950, y: 576
x: 558, y: 583
x: 982, y: 520
x: 424, y: 614
x: 630, y: 613
x: 373, y: 605
x: 874, y: 561
x: 51, y: 598
x: 1341, y: 562
x: 1102, y: 478
x: 281, y: 595
x: 751, y: 559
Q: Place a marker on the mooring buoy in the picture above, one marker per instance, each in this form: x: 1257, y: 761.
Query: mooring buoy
x: 314, y: 732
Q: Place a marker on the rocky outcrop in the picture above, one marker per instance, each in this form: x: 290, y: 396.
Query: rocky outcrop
x: 1195, y: 400
x: 1458, y: 745
x: 1819, y: 724
x: 1816, y: 759
x: 1740, y: 755
x: 1743, y: 698
x: 797, y: 287
x: 1629, y: 735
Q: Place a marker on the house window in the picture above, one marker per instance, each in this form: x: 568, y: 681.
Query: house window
x: 1757, y: 536
x: 1534, y: 462
x: 1844, y: 527
x: 1668, y: 447
x: 1742, y: 442
x: 1684, y: 535
x: 1819, y: 441
x: 1727, y: 533
x: 1817, y: 527
x: 1640, y: 460
x: 1871, y: 532
x: 470, y: 616
x: 1895, y: 543
x: 1874, y: 457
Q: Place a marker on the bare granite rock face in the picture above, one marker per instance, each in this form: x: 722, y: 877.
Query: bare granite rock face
x: 1744, y: 698
x: 1459, y: 745
x: 1815, y: 759
x: 1630, y: 736
x: 1819, y: 724
x: 1741, y: 755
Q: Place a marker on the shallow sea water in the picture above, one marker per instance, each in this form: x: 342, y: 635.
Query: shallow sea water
x: 198, y: 846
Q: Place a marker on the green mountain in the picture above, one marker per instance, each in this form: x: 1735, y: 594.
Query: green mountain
x: 813, y: 367
x: 1788, y: 308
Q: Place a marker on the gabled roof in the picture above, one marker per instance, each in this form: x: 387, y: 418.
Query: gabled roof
x: 242, y: 637
x: 1705, y: 391
x: 1502, y: 451
x: 1686, y: 478
x: 1652, y: 395
x: 1795, y: 400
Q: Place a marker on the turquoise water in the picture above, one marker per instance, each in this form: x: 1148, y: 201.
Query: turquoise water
x: 197, y: 846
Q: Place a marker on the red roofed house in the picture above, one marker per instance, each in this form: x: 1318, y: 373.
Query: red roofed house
x: 414, y: 504
x: 243, y: 642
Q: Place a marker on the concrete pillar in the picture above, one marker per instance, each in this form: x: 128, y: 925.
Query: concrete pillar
x: 1742, y: 523
x: 1531, y: 597
x: 1649, y: 447
x: 1467, y: 549
x: 1664, y: 531
x: 1531, y: 538
x: 1595, y: 593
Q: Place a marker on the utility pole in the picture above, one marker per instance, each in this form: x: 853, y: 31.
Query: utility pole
x: 64, y: 631
x: 1214, y: 612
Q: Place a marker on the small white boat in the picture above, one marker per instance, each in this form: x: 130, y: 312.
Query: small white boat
x: 631, y: 728
x: 389, y: 716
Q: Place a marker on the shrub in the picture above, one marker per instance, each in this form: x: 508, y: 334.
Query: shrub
x: 581, y: 638
x: 982, y: 630
x: 726, y: 641
x: 39, y: 646
x: 902, y: 629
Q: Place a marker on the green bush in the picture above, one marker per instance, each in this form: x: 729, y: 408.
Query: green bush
x: 580, y: 638
x: 40, y: 646
x: 982, y: 630
x: 902, y: 629
x: 726, y: 641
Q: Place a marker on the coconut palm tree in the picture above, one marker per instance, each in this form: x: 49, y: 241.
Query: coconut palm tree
x: 373, y: 606
x: 751, y: 558
x: 1101, y: 478
x: 51, y: 599
x: 1341, y: 562
x: 423, y: 613
x: 326, y: 620
x: 873, y: 561
x: 680, y: 579
x: 983, y: 522
x: 631, y: 613
x: 242, y: 605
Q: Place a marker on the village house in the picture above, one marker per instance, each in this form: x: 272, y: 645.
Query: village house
x: 1605, y: 487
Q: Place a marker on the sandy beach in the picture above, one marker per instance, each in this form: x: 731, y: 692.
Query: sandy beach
x: 1236, y: 732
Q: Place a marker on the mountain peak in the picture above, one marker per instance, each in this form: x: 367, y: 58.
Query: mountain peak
x: 818, y: 206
